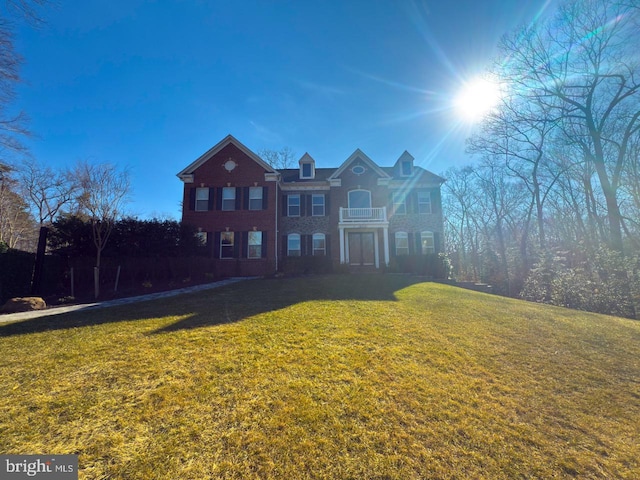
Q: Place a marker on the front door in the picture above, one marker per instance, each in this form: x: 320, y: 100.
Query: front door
x: 361, y: 249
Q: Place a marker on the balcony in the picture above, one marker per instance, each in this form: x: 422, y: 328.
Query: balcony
x: 363, y: 215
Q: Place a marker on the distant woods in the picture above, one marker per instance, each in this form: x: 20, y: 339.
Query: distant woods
x: 551, y: 212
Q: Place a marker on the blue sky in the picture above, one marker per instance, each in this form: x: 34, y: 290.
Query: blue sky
x: 150, y: 86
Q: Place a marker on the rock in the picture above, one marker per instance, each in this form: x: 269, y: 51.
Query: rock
x: 23, y: 304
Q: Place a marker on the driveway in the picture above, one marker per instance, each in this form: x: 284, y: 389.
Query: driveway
x: 11, y: 317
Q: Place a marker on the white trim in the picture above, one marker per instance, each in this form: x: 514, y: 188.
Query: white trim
x: 290, y: 187
x: 365, y: 159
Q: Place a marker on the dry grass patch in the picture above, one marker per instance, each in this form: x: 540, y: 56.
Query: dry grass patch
x: 327, y: 377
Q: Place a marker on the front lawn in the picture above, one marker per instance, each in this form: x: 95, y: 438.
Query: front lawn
x: 336, y: 377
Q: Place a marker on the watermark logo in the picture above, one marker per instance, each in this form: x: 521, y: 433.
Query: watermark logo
x: 45, y: 467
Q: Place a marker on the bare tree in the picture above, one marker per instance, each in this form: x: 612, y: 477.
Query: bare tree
x: 46, y: 190
x: 16, y: 224
x: 104, y: 193
x: 582, y: 67
x: 279, y: 159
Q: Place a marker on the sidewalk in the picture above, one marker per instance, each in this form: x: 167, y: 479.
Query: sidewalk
x: 11, y: 317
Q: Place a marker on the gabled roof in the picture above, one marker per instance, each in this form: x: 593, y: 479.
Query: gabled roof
x: 359, y: 154
x: 306, y: 158
x: 289, y: 175
x: 217, y: 148
x: 419, y: 174
x: 406, y: 156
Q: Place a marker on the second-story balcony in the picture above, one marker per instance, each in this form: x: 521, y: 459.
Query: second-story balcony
x: 363, y: 215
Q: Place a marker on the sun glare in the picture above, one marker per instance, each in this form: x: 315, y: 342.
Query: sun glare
x: 476, y: 98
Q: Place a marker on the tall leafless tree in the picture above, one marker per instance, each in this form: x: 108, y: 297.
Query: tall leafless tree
x: 582, y: 67
x: 104, y: 193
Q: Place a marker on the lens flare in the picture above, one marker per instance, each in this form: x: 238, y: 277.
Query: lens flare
x: 476, y: 98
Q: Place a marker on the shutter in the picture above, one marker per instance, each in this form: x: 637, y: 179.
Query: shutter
x: 410, y: 201
x: 326, y: 205
x: 284, y: 206
x: 264, y: 245
x: 392, y: 244
x: 192, y: 199
x: 265, y: 192
x: 216, y: 245
x: 236, y: 244
x: 304, y: 245
x: 219, y: 198
x: 412, y: 245
x: 418, y: 238
x: 436, y: 242
x: 212, y: 194
x: 284, y: 245
x: 244, y: 247
x: 245, y: 196
x: 327, y: 244
x: 303, y: 204
x: 309, y: 202
x: 238, y: 198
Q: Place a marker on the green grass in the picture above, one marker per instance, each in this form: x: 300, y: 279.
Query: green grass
x: 337, y: 377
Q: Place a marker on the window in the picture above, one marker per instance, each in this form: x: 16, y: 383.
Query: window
x: 202, y: 199
x: 317, y: 205
x: 359, y: 199
x: 293, y: 245
x: 319, y: 244
x: 307, y: 171
x: 226, y: 244
x: 293, y: 205
x: 255, y: 245
x: 402, y: 243
x: 228, y: 198
x: 406, y: 168
x: 358, y: 169
x: 255, y: 198
x: 424, y: 202
x: 399, y: 203
x: 427, y: 242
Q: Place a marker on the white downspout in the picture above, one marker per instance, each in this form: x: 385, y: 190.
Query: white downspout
x: 276, y: 232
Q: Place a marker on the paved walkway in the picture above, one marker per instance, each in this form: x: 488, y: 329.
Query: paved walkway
x: 10, y: 317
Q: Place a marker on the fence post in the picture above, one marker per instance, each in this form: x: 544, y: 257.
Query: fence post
x: 115, y: 288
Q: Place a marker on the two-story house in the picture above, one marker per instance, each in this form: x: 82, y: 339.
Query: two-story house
x: 359, y: 214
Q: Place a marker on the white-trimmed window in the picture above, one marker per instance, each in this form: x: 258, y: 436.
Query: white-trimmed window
x: 255, y: 198
x: 317, y: 205
x: 255, y: 245
x: 293, y: 245
x: 399, y: 203
x: 306, y: 170
x: 427, y: 242
x: 293, y: 205
x: 359, y: 199
x: 402, y: 243
x: 202, y: 199
x: 228, y: 198
x: 319, y: 244
x: 406, y: 168
x: 227, y: 244
x: 424, y: 202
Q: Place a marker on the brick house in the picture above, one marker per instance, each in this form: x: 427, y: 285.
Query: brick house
x: 254, y: 218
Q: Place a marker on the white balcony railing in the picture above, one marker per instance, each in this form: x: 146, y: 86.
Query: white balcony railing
x: 363, y: 215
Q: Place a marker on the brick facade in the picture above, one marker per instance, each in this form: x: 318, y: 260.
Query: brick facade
x: 253, y: 216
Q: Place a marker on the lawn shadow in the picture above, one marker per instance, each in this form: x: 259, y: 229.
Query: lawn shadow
x: 227, y: 304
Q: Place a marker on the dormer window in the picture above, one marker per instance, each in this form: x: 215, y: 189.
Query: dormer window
x: 406, y: 168
x: 404, y: 165
x: 307, y: 167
